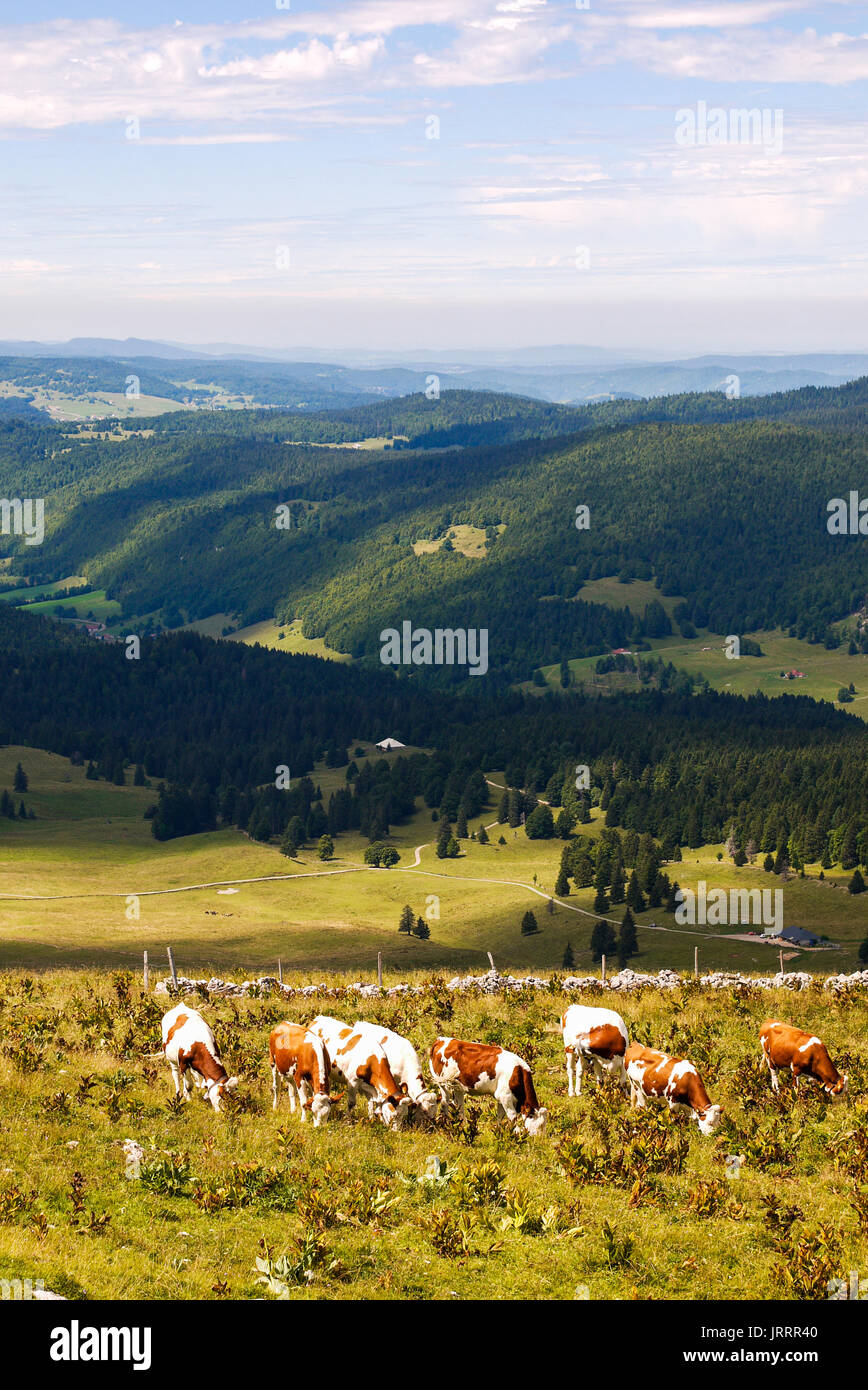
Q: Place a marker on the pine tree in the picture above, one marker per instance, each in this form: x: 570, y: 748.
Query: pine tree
x: 20, y: 782
x: 407, y: 920
x: 568, y: 960
x: 529, y: 925
x: 564, y: 824
x: 617, y: 891
x: 768, y: 864
x: 461, y: 823
x: 453, y: 849
x: 503, y: 809
x: 139, y: 779
x: 635, y: 898
x: 423, y: 931
x: 444, y: 835
x: 325, y: 847
x: 482, y: 835
x: 857, y: 883
x: 562, y: 886
x: 601, y: 901
x: 628, y: 943
x: 849, y: 849
x: 603, y: 940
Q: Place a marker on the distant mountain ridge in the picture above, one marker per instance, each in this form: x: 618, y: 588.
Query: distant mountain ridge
x: 562, y: 375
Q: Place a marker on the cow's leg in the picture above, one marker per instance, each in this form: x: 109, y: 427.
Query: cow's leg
x: 186, y: 1086
x: 456, y: 1100
x: 292, y: 1092
x: 578, y: 1062
x: 176, y: 1076
x: 571, y: 1072
x: 620, y: 1073
x: 305, y: 1093
x: 273, y: 1086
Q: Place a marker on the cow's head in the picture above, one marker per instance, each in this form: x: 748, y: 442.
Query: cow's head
x: 218, y: 1089
x: 426, y: 1106
x: 321, y: 1109
x: 536, y: 1123
x: 840, y: 1088
x: 709, y: 1120
x: 394, y: 1111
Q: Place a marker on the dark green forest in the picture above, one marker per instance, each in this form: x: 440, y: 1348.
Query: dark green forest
x: 728, y: 513
x: 214, y: 721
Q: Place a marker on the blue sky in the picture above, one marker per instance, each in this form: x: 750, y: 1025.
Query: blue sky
x: 230, y: 172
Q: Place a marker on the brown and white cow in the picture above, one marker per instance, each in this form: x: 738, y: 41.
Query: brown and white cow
x: 192, y: 1054
x: 804, y: 1054
x: 462, y: 1068
x: 300, y: 1057
x: 655, y: 1076
x: 404, y: 1065
x: 362, y: 1063
x: 596, y: 1040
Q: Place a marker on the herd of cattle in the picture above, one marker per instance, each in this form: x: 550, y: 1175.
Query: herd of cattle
x: 374, y: 1062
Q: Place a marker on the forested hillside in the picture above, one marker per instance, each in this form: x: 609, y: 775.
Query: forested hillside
x: 728, y: 512
x: 216, y: 721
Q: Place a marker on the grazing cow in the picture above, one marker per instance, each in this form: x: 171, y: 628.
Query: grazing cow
x: 404, y: 1065
x: 653, y: 1074
x: 362, y: 1063
x: 804, y: 1054
x: 300, y: 1057
x: 596, y: 1039
x: 460, y: 1068
x: 192, y: 1055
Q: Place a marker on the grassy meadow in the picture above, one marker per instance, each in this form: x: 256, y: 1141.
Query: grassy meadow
x: 824, y: 672
x: 609, y: 1203
x: 85, y: 884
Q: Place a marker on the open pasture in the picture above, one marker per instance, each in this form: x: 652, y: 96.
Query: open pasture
x: 609, y: 1203
x: 221, y: 899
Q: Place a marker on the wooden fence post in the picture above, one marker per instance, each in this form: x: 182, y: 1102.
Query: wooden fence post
x: 146, y: 974
x: 603, y: 964
x: 279, y: 970
x: 172, y: 966
x: 781, y: 958
x: 491, y: 960
x: 380, y: 969
x: 696, y: 962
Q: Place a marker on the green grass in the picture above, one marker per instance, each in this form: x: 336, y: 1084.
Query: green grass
x: 76, y: 1080
x: 825, y: 672
x: 94, y: 603
x: 635, y: 595
x: 66, y: 876
x: 16, y: 595
x: 286, y: 637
